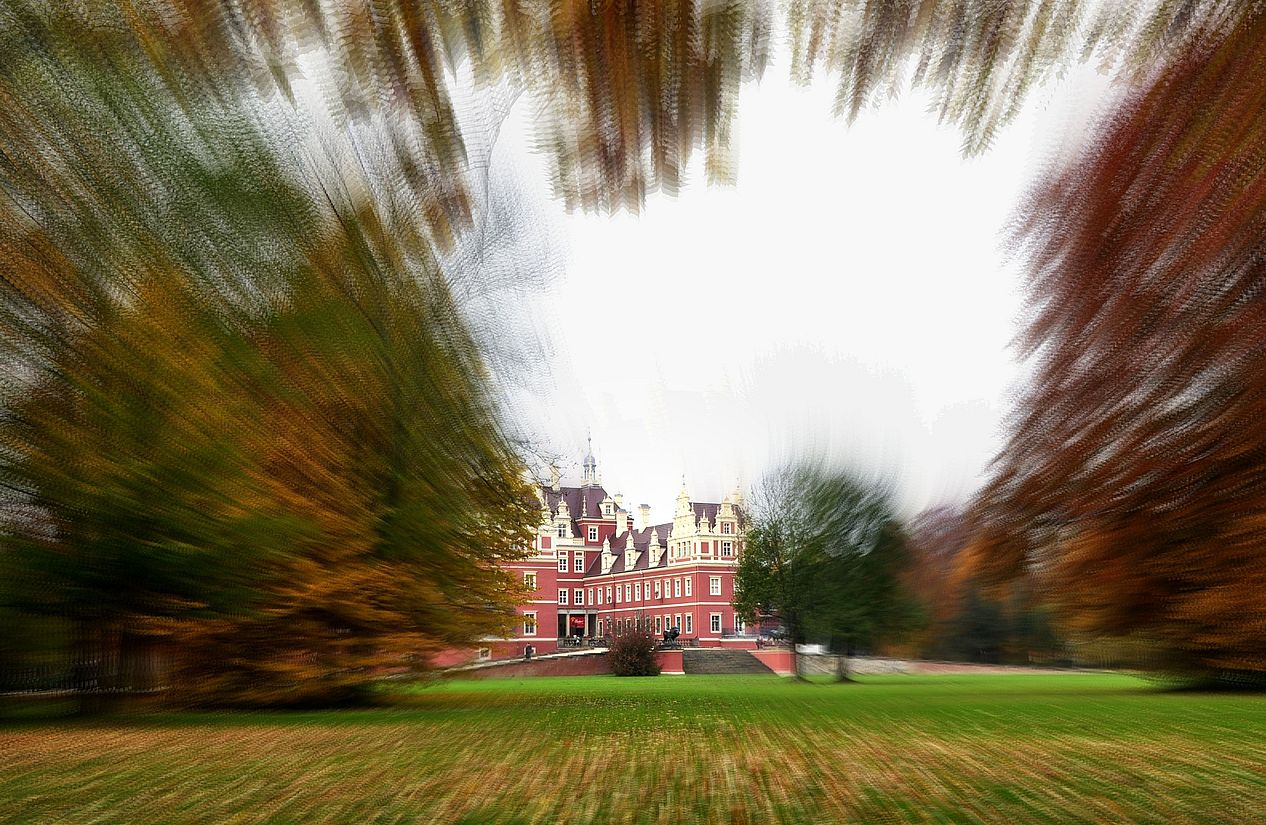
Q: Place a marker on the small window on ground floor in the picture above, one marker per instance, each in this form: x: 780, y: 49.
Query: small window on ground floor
x: 529, y: 624
x: 690, y: 623
x: 716, y: 623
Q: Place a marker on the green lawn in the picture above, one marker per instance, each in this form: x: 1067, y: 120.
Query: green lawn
x: 1059, y: 748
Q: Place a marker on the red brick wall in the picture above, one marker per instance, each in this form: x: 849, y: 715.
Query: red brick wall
x: 779, y: 661
x: 591, y: 665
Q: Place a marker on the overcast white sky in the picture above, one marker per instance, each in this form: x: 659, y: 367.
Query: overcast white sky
x: 849, y: 295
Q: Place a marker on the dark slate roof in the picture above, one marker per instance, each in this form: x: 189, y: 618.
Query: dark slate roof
x: 709, y: 511
x: 641, y: 540
x: 591, y: 497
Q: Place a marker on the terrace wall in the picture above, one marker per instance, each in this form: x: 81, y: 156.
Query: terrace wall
x: 586, y: 664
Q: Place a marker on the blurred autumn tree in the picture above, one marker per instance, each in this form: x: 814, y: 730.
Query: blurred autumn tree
x: 964, y: 618
x: 243, y: 413
x: 1133, y: 481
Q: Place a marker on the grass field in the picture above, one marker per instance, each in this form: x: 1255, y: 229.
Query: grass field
x: 1058, y: 748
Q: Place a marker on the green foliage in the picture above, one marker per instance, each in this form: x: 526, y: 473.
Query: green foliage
x: 823, y: 556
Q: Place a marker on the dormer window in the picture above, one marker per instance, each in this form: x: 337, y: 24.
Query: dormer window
x: 727, y: 528
x: 593, y: 533
x: 606, y: 509
x: 562, y: 531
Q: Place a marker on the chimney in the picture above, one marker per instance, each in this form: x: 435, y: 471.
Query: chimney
x: 553, y: 478
x: 645, y: 510
x: 621, y: 522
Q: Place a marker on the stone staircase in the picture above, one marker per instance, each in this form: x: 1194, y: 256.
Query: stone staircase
x: 715, y: 660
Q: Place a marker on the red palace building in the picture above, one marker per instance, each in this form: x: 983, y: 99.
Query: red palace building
x: 593, y: 573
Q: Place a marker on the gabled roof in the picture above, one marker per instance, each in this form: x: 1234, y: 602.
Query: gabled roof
x: 641, y: 541
x: 590, y: 497
x: 710, y: 511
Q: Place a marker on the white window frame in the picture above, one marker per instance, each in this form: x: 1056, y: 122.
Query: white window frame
x: 714, y: 622
x: 659, y: 624
x: 657, y: 589
x: 593, y: 532
x: 599, y: 595
x: 676, y: 588
x: 562, y: 595
x: 727, y: 549
x: 727, y: 529
x: 590, y: 602
x: 690, y: 623
x: 562, y: 531
x: 609, y: 595
x: 677, y: 621
x: 529, y: 620
x: 628, y: 592
x: 618, y: 592
x: 578, y: 563
x: 637, y: 591
x: 578, y: 597
x: 529, y: 581
x: 740, y: 627
x: 688, y: 586
x: 562, y: 561
x: 714, y: 585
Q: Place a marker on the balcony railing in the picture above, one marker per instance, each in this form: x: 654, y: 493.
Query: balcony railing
x: 579, y: 641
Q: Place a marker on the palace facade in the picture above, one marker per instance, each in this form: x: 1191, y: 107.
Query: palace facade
x: 593, y: 573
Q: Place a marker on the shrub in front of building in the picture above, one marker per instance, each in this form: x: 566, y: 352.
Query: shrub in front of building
x: 632, y: 651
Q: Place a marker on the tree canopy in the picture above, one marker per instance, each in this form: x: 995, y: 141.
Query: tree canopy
x: 823, y: 554
x: 1132, y: 481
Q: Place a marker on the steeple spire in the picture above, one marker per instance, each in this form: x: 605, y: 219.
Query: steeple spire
x: 589, y: 473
